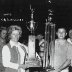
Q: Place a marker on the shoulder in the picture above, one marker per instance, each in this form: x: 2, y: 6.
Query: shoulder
x: 41, y: 42
x: 23, y: 45
x: 5, y: 48
x: 20, y: 44
x: 56, y: 41
x: 69, y: 45
x: 68, y: 39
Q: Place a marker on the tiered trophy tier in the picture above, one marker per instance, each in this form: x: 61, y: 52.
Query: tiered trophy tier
x: 32, y: 60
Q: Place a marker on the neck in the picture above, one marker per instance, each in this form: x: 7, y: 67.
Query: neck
x: 61, y: 40
x: 15, y: 42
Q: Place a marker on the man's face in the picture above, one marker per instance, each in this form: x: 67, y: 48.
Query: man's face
x: 15, y: 36
x: 61, y: 33
x: 3, y: 33
x: 70, y: 34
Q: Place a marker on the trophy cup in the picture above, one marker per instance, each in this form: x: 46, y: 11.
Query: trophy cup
x: 31, y: 27
x: 32, y: 60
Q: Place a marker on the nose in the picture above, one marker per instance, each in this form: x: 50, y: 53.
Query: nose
x: 17, y: 36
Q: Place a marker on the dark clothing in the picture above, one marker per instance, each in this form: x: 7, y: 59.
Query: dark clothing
x: 70, y: 69
x: 14, y: 54
x: 2, y: 43
x: 2, y: 68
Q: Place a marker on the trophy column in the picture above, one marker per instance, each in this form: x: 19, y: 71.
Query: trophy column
x: 31, y: 47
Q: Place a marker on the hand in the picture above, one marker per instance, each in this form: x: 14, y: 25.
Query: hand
x: 23, y: 66
x: 57, y: 70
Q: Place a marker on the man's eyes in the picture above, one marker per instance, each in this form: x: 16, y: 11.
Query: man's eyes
x: 15, y: 34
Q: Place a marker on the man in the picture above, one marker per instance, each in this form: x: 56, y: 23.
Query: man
x: 13, y: 54
x: 61, y: 61
x: 41, y: 45
x: 3, y: 33
x: 70, y: 41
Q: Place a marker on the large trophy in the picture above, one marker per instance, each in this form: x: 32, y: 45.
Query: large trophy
x: 48, y: 62
x: 32, y: 60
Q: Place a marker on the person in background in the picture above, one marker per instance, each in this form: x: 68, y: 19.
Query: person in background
x: 61, y: 55
x: 14, y: 53
x: 41, y: 48
x: 3, y: 33
x: 70, y: 37
x: 26, y: 46
x: 41, y: 45
x: 70, y: 41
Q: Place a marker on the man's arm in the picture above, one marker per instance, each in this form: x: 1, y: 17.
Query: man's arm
x: 64, y: 65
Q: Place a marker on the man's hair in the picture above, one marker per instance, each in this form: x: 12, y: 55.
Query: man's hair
x: 61, y: 28
x: 40, y: 36
x: 12, y: 28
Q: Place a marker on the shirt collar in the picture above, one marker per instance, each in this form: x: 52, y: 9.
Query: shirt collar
x: 12, y: 43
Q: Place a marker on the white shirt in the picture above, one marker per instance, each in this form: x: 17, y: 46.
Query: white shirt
x: 61, y: 53
x: 6, y: 56
x: 70, y: 51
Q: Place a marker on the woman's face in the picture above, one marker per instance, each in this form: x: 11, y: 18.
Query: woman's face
x: 3, y: 33
x: 15, y: 35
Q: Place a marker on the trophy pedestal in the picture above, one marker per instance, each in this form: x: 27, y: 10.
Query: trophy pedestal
x: 33, y: 65
x: 32, y: 61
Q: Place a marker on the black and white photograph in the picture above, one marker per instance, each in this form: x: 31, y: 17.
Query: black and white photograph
x: 35, y: 35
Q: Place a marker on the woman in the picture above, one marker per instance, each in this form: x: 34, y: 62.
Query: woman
x: 13, y: 54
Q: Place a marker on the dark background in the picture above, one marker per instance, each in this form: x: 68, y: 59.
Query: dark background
x: 62, y: 15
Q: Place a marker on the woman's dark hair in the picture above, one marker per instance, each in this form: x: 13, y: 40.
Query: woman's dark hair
x: 2, y: 28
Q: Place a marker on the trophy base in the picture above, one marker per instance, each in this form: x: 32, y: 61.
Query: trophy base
x: 33, y: 63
